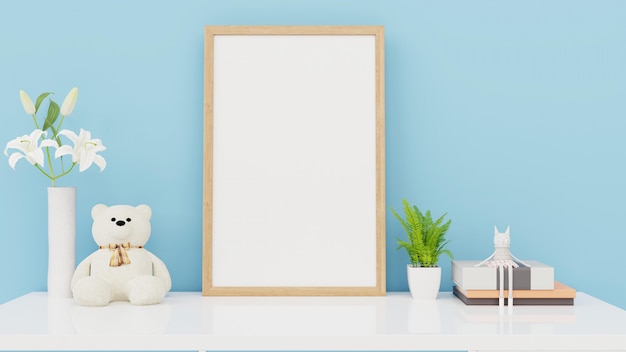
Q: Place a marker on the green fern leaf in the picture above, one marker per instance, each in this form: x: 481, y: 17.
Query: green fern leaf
x: 426, y: 237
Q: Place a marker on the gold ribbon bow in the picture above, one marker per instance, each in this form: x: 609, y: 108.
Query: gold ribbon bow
x: 119, y: 256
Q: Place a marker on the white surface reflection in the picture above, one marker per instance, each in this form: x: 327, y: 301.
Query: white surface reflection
x: 424, y: 317
x: 188, y: 321
x: 513, y: 320
x: 121, y: 318
x: 265, y: 316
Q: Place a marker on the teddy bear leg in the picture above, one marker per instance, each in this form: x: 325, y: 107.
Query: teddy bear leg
x: 146, y: 289
x: 92, y: 291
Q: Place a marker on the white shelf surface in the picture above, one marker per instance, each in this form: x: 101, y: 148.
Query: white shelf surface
x: 396, y: 322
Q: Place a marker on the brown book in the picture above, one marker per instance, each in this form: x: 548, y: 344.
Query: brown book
x: 560, y: 291
x: 561, y: 295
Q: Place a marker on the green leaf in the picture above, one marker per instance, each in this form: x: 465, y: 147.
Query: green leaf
x: 53, y: 114
x: 40, y: 99
x: 426, y: 236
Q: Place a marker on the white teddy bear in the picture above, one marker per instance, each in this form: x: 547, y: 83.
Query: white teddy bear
x: 121, y: 270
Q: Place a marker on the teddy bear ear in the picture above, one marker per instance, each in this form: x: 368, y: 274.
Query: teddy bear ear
x: 97, y: 210
x: 145, y: 210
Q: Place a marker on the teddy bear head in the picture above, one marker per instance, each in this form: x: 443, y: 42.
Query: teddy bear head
x: 121, y: 223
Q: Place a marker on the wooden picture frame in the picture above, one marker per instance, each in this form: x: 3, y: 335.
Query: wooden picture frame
x: 294, y: 161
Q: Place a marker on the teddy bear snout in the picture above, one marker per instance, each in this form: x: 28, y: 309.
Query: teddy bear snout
x: 120, y: 222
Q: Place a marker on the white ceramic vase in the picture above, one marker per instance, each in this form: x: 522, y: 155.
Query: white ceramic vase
x: 424, y: 282
x: 61, y: 240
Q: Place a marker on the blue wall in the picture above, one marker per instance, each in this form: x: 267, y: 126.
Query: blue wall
x: 498, y: 112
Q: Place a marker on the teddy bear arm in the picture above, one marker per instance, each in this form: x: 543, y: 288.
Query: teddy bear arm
x: 82, y: 270
x: 160, y: 270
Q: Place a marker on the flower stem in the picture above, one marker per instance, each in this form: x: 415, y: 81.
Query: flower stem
x: 51, y: 175
x: 64, y: 173
x: 50, y: 163
x: 60, y: 123
x: 35, y: 121
x: 56, y: 133
x: 45, y: 173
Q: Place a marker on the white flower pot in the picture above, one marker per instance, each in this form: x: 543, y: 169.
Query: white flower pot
x: 61, y: 240
x: 424, y: 282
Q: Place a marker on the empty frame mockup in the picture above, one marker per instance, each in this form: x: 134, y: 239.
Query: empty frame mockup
x: 294, y: 167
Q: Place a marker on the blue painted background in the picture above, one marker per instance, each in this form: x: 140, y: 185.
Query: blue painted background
x: 498, y: 112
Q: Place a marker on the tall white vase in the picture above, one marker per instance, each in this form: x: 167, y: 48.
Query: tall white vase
x: 61, y: 240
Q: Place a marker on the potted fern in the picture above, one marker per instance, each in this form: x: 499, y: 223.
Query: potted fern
x: 425, y: 243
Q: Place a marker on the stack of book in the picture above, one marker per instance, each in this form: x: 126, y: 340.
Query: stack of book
x: 532, y: 285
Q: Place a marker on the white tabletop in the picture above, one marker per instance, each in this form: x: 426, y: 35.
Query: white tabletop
x: 189, y: 321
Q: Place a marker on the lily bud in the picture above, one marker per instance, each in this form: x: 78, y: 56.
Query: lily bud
x: 28, y: 105
x: 70, y: 101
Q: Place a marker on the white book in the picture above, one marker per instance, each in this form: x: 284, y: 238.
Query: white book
x: 537, y: 276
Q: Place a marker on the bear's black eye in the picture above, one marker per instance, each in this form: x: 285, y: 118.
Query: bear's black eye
x: 127, y: 219
x: 113, y: 219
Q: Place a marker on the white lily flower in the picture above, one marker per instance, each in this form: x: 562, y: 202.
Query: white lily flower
x: 35, y: 148
x: 84, y: 151
x: 70, y: 101
x: 27, y: 103
x: 28, y: 148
